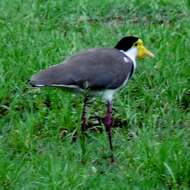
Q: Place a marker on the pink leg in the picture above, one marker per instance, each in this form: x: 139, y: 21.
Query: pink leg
x: 83, y: 118
x: 108, y: 126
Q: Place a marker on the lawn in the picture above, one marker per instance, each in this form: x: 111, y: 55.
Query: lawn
x: 152, y: 113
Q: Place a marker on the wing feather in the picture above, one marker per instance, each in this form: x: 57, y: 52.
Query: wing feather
x: 96, y: 69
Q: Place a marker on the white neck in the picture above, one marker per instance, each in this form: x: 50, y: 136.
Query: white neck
x: 132, y: 54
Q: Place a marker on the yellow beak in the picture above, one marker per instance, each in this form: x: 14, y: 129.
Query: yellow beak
x: 148, y: 53
x: 142, y: 52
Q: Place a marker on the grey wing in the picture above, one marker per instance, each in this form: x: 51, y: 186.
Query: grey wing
x: 95, y: 69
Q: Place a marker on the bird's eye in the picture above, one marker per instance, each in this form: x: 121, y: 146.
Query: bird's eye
x: 136, y: 44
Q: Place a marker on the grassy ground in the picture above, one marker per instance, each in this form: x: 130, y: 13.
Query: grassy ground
x: 152, y: 147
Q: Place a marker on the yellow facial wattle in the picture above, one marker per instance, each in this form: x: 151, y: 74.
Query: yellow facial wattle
x: 142, y: 51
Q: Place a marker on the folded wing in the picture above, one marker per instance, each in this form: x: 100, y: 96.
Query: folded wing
x: 95, y: 69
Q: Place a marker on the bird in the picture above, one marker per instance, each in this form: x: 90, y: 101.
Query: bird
x: 96, y: 71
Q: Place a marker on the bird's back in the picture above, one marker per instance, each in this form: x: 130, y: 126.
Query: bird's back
x: 95, y: 69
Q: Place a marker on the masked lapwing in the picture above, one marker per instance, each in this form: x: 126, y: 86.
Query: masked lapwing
x: 96, y: 71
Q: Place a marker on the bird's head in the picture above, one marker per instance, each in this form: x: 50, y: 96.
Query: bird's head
x: 134, y: 45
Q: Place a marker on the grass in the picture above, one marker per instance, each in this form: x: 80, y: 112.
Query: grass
x: 152, y: 147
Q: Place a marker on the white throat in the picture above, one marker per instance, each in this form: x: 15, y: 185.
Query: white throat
x: 132, y: 54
